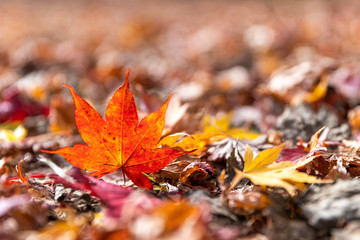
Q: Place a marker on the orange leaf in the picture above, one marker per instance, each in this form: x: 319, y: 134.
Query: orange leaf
x: 195, y: 143
x: 119, y: 141
x: 315, y: 139
x: 20, y: 171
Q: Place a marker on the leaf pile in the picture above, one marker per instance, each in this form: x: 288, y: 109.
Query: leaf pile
x: 244, y: 126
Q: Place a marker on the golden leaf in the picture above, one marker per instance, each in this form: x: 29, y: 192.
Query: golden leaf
x: 262, y: 170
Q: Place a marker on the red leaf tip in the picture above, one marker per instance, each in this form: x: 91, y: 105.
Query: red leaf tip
x: 67, y: 86
x: 127, y: 78
x: 127, y: 74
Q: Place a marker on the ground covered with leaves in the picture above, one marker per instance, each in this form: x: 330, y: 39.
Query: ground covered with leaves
x: 261, y: 139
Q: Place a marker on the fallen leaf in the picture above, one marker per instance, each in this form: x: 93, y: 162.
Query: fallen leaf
x: 71, y: 229
x: 263, y: 159
x: 198, y: 174
x: 173, y: 220
x: 120, y: 141
x: 354, y: 120
x: 317, y: 140
x: 213, y: 130
x: 247, y: 200
x: 313, y: 147
x: 224, y: 150
x: 303, y: 120
x: 295, y: 84
x: 222, y: 126
x: 228, y: 151
x: 171, y: 173
x: 316, y: 94
x: 20, y: 171
x: 61, y: 115
x: 8, y: 203
x: 319, y: 91
x: 292, y: 154
x: 12, y: 132
x: 16, y: 106
x: 196, y: 143
x: 112, y: 195
x: 175, y: 112
x: 262, y: 170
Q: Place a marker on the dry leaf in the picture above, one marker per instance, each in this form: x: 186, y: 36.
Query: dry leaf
x: 213, y: 130
x: 262, y: 170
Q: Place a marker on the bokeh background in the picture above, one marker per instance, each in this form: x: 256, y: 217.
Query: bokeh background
x: 219, y: 55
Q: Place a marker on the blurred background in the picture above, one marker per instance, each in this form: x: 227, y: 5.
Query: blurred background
x: 254, y: 57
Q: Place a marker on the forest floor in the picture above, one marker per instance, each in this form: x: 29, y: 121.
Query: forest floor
x: 261, y: 139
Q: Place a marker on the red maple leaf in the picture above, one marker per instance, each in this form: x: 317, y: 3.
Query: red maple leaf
x: 119, y: 141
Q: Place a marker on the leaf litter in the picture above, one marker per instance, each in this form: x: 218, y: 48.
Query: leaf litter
x: 260, y: 140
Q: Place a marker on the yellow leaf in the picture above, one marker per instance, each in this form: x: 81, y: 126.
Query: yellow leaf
x: 263, y: 171
x: 317, y: 94
x: 239, y: 175
x: 221, y: 125
x: 218, y: 125
x: 319, y: 91
x: 248, y: 156
x: 14, y: 135
x: 213, y: 130
x: 242, y: 133
x: 264, y: 158
x: 197, y: 141
x: 270, y: 181
x: 69, y: 229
